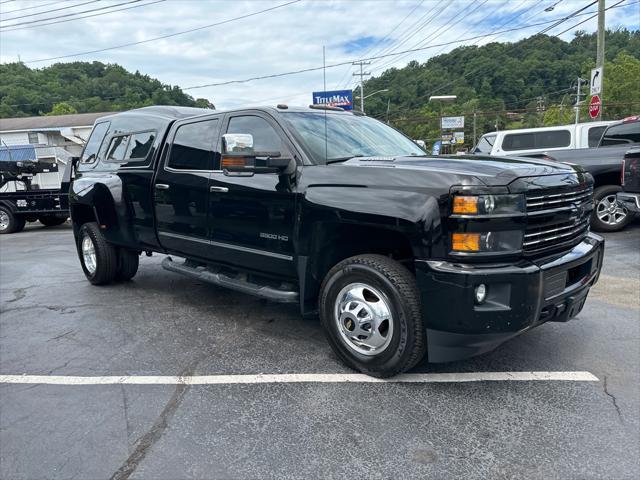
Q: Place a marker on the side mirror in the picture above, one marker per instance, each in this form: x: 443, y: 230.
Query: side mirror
x: 239, y: 157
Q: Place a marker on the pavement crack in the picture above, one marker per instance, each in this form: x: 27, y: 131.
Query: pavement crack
x: 613, y: 398
x: 158, y: 428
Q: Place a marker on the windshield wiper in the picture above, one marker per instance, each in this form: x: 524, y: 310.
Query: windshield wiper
x: 342, y: 159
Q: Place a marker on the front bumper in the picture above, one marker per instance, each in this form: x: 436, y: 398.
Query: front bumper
x: 519, y: 297
x: 631, y: 201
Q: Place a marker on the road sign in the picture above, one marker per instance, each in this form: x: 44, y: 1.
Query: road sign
x: 596, y: 81
x: 334, y: 98
x: 594, y: 106
x: 452, y: 122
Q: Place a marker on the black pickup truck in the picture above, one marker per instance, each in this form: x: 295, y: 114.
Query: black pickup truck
x: 398, y: 252
x: 603, y: 163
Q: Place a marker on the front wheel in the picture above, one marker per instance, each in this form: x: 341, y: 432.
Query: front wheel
x: 98, y: 258
x: 370, y: 310
x: 608, y: 214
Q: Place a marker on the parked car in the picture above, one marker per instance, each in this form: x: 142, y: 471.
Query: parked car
x: 527, y: 141
x: 398, y: 252
x: 603, y: 162
x: 629, y: 198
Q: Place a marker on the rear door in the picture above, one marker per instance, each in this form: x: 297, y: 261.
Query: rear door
x: 181, y: 187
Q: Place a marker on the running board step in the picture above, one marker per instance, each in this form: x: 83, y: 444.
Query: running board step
x: 200, y: 272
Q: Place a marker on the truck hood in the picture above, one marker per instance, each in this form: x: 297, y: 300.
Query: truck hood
x: 487, y: 170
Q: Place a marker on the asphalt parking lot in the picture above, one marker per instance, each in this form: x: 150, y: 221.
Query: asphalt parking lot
x: 53, y: 322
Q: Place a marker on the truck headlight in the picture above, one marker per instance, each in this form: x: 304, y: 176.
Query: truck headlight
x: 487, y: 242
x: 488, y: 204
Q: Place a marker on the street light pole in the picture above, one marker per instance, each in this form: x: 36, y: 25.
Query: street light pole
x: 600, y: 52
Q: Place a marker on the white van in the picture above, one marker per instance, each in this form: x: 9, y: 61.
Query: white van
x: 525, y: 141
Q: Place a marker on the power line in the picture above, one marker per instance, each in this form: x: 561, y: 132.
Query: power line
x: 313, y: 69
x: 383, y: 39
x: 38, y: 6
x: 555, y: 22
x: 168, y: 35
x: 436, y: 32
x: 9, y: 29
x: 49, y: 11
x: 71, y: 14
x: 551, y: 27
x: 391, y: 48
x: 590, y: 18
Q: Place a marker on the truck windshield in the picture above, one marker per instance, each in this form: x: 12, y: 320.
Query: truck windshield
x: 348, y: 136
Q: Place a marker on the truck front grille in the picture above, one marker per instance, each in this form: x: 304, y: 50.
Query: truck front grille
x: 538, y: 238
x: 557, y: 219
x: 538, y: 202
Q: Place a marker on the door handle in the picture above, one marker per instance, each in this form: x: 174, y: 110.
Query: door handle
x: 219, y: 189
x: 162, y: 186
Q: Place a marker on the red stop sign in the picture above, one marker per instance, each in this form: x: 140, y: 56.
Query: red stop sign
x: 594, y: 106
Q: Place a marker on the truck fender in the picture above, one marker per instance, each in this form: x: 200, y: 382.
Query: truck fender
x: 342, y: 221
x: 106, y: 200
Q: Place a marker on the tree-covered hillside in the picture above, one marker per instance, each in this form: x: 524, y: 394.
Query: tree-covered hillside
x: 82, y: 87
x: 525, y: 84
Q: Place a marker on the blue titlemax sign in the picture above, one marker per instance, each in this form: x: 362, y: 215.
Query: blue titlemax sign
x: 335, y: 98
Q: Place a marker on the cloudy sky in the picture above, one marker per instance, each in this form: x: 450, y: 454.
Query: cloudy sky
x: 289, y: 36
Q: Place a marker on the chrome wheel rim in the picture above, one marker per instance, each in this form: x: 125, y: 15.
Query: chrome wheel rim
x: 609, y: 211
x: 89, y: 254
x: 363, y: 318
x: 4, y: 220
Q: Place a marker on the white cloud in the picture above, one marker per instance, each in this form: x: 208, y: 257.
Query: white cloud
x: 285, y: 39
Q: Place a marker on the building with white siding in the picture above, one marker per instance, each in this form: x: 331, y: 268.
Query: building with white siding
x: 49, y: 139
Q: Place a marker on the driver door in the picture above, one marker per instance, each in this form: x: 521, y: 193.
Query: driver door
x: 253, y: 215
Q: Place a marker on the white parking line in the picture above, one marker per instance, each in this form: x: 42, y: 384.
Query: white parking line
x: 302, y: 378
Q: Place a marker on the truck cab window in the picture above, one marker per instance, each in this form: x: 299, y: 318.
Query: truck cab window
x: 265, y: 137
x: 193, y: 146
x: 139, y: 146
x: 117, y: 148
x: 94, y: 142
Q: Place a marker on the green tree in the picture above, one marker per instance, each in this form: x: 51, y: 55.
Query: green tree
x: 62, y: 108
x: 557, y: 115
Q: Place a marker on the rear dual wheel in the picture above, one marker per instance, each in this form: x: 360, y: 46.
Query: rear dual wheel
x: 102, y: 262
x: 370, y: 311
x: 10, y: 223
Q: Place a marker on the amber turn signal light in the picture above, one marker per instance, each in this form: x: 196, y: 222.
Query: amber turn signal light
x: 465, y: 242
x: 233, y: 162
x: 465, y: 204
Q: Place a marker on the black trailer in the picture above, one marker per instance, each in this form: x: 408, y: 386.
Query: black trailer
x: 31, y: 203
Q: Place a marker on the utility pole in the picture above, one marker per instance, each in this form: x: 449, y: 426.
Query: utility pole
x: 600, y: 51
x: 362, y: 74
x: 580, y: 80
x: 474, y: 127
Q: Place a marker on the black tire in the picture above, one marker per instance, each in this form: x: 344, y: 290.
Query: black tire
x: 106, y: 255
x: 128, y: 262
x: 52, y: 220
x: 610, y: 222
x: 399, y: 292
x: 10, y: 223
